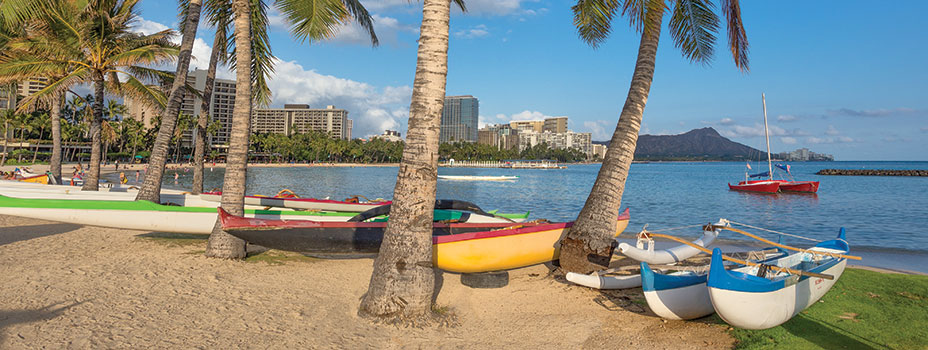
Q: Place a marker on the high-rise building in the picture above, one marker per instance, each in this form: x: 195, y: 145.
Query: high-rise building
x: 527, y: 125
x: 555, y: 125
x: 459, y: 119
x: 12, y: 94
x: 581, y: 141
x: 348, y: 129
x: 389, y: 135
x: 500, y: 135
x: 299, y: 118
x: 30, y: 86
x: 143, y: 112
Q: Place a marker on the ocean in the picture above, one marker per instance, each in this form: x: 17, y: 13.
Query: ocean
x: 884, y: 216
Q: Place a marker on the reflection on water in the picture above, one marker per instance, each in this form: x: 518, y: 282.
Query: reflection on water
x: 888, y: 212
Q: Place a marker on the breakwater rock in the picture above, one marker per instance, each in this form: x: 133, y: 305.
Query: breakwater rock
x: 874, y: 172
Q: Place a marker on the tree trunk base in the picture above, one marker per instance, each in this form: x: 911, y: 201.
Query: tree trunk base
x: 224, y: 246
x: 485, y: 280
x: 578, y: 257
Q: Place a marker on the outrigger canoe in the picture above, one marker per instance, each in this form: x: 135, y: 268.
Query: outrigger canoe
x: 760, y: 297
x: 302, y: 203
x: 462, y: 248
x: 784, y: 186
x: 148, y: 216
x: 39, y: 179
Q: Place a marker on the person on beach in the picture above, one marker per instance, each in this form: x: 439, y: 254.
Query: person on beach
x: 117, y: 164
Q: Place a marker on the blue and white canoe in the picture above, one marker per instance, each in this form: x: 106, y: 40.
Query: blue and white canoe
x: 747, y: 301
x: 680, y: 295
x: 645, y: 252
x: 676, y: 296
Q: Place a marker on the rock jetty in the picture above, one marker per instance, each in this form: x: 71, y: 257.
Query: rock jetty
x: 874, y: 172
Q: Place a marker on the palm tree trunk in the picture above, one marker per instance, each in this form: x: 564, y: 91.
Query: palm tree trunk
x: 220, y: 243
x: 588, y: 245
x: 54, y: 115
x: 151, y: 187
x: 203, y: 119
x: 92, y: 181
x: 403, y: 277
x: 36, y: 153
x: 6, y: 132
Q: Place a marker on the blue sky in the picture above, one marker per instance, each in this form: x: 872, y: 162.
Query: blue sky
x: 847, y: 78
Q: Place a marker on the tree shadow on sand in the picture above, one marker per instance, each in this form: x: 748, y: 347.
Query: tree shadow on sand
x: 22, y: 233
x: 12, y: 317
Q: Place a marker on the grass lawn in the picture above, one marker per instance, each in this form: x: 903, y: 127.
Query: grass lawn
x: 864, y: 310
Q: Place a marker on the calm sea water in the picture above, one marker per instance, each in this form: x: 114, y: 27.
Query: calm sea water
x: 881, y: 214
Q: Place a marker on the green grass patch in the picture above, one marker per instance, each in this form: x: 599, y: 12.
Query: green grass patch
x: 175, y: 239
x: 277, y: 257
x: 864, y: 310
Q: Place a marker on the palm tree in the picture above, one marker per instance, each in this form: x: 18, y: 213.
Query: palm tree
x: 91, y: 41
x: 693, y: 24
x: 310, y: 20
x: 40, y: 122
x: 402, y: 282
x: 151, y: 187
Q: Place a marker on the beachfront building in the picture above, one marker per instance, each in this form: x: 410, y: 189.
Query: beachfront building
x: 389, y: 135
x: 11, y: 94
x: 500, y: 135
x: 142, y: 112
x: 598, y: 151
x: 459, y: 119
x: 527, y: 125
x: 581, y: 141
x: 300, y: 118
x: 804, y: 155
x: 555, y: 125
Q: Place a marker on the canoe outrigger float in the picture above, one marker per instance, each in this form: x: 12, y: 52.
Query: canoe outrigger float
x: 457, y: 247
x: 148, y: 216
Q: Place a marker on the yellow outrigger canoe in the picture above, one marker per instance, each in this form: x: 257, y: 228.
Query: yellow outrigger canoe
x: 39, y: 179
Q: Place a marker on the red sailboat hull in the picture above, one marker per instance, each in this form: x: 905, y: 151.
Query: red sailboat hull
x: 756, y: 186
x: 799, y: 186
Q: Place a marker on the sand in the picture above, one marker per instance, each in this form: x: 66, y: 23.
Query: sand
x: 69, y: 286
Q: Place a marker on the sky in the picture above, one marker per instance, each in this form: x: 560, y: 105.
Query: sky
x: 848, y: 78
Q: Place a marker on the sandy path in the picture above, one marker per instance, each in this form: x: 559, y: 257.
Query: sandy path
x: 68, y: 286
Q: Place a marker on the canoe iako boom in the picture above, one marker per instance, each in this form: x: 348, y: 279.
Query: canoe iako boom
x: 457, y: 247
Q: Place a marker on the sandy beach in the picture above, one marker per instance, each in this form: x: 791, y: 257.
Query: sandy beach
x: 74, y: 287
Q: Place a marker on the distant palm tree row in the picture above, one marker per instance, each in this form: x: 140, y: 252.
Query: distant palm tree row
x: 90, y: 42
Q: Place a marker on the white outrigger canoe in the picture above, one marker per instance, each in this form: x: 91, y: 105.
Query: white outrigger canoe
x: 477, y: 178
x: 746, y: 299
x: 148, y: 216
x: 302, y: 203
x: 645, y: 248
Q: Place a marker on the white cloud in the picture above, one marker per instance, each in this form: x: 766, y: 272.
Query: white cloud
x: 147, y: 27
x: 825, y: 140
x: 832, y: 131
x: 372, y: 109
x: 476, y: 32
x: 723, y: 121
x: 788, y: 140
x: 873, y: 112
x: 599, y: 129
x: 387, y: 29
x: 741, y: 131
x: 786, y: 118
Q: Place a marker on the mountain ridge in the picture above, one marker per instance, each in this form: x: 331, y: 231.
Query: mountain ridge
x: 697, y: 144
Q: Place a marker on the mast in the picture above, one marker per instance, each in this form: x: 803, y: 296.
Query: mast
x: 767, y: 135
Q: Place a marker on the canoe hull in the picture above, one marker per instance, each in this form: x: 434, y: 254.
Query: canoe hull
x: 683, y: 303
x: 39, y: 179
x: 301, y: 203
x: 767, y: 310
x: 605, y: 282
x: 462, y: 248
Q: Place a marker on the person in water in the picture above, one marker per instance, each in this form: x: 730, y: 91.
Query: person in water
x: 122, y: 178
x: 137, y: 176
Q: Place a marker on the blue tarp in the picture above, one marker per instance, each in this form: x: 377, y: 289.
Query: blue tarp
x: 766, y: 173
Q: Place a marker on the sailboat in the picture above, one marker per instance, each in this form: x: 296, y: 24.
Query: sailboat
x: 760, y: 186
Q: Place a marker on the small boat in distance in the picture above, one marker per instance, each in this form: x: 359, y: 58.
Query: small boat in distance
x: 477, y: 177
x: 765, y: 186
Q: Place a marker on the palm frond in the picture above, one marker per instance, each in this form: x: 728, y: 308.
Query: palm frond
x: 147, y: 95
x: 693, y: 25
x: 461, y: 5
x: 593, y: 19
x: 737, y: 37
x: 313, y: 20
x: 56, y: 87
x: 364, y: 18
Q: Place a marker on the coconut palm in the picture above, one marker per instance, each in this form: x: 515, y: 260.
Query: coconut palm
x: 693, y: 24
x: 85, y: 41
x: 402, y: 282
x: 310, y: 20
